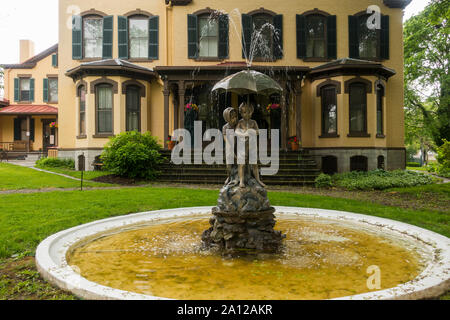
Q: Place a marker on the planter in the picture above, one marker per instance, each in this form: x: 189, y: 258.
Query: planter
x: 294, y: 146
x: 171, y: 145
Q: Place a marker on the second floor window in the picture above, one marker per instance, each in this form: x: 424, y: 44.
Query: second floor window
x: 138, y: 30
x: 315, y: 36
x: 53, y: 90
x: 25, y: 89
x: 208, y: 37
x: 93, y: 37
x: 262, y: 36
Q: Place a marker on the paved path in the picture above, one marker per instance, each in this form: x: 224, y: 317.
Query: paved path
x: 31, y: 164
x: 444, y: 180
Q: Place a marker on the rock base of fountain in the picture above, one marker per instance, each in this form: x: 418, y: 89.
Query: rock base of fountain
x: 243, y: 220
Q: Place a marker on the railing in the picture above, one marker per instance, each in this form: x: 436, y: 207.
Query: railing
x: 52, y: 153
x: 15, y: 146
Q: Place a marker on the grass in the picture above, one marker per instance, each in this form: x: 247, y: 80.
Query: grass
x: 14, y: 177
x: 417, y: 169
x: 27, y: 219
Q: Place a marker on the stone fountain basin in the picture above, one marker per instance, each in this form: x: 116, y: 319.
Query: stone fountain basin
x: 435, y: 250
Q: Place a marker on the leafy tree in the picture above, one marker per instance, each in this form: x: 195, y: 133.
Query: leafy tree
x: 427, y: 78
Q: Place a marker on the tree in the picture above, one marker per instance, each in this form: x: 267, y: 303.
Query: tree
x: 427, y: 78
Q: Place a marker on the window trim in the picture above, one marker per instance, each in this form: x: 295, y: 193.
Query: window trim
x: 325, y: 86
x: 94, y: 15
x: 96, y: 86
x: 139, y: 91
x: 348, y: 84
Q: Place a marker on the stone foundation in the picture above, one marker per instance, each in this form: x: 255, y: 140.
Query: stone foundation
x: 89, y: 156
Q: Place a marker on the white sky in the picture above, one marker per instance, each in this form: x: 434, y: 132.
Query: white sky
x: 38, y: 21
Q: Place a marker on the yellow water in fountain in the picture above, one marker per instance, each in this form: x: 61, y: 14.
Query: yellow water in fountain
x: 323, y: 259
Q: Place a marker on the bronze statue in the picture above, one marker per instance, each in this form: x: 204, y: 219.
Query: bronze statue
x: 244, y: 126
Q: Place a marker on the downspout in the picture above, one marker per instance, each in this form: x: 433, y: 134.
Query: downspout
x: 168, y: 8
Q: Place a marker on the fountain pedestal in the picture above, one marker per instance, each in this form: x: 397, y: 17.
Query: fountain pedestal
x: 243, y: 221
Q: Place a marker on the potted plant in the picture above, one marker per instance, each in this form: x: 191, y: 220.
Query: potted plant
x: 170, y: 143
x: 293, y: 141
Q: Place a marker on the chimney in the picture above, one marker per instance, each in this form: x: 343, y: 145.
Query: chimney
x: 26, y: 50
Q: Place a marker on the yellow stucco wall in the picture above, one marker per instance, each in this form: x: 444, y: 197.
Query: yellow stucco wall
x: 173, y: 52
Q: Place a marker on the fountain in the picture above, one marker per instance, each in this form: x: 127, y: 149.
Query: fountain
x: 321, y: 254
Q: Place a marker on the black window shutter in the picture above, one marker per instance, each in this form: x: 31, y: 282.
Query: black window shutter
x: 278, y: 37
x: 247, y: 31
x: 331, y: 37
x: 108, y: 23
x: 32, y: 129
x: 223, y: 36
x: 353, y: 37
x: 384, y: 38
x: 123, y: 37
x: 45, y: 90
x: 301, y: 36
x: 192, y: 36
x: 77, y: 41
x: 16, y: 89
x: 31, y: 90
x: 17, y: 129
x: 153, y: 38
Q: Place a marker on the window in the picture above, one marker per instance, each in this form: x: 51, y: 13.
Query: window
x: 329, y: 111
x: 263, y: 24
x: 93, y: 37
x: 138, y: 37
x: 133, y: 108
x: 380, y: 163
x: 53, y: 90
x: 368, y: 40
x: 329, y: 165
x: 82, y: 102
x: 104, y: 97
x: 25, y: 89
x: 315, y: 36
x: 380, y: 95
x: 358, y: 163
x: 20, y: 129
x: 367, y: 43
x: 358, y: 108
x: 208, y: 36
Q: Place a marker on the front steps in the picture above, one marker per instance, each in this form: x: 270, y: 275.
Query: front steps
x: 295, y: 168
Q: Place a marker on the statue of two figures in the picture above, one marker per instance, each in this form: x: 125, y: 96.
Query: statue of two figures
x: 243, y: 220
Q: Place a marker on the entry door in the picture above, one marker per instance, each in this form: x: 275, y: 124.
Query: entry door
x: 48, y: 135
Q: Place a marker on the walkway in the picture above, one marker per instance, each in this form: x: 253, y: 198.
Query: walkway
x: 31, y: 164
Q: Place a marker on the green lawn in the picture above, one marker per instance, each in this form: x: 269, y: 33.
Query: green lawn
x: 13, y: 177
x: 417, y: 168
x: 27, y: 219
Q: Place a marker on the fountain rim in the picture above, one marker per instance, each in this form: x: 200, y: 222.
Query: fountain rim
x: 52, y: 265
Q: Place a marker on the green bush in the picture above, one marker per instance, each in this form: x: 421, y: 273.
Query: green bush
x: 444, y: 156
x: 323, y: 181
x: 381, y: 180
x: 133, y: 155
x: 55, y: 163
x: 413, y: 164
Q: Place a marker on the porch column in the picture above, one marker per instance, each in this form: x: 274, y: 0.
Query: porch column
x: 175, y: 109
x: 298, y: 113
x: 28, y: 133
x: 181, y: 95
x: 284, y: 124
x: 166, y: 93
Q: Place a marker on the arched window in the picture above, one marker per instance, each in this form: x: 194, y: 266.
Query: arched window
x: 133, y: 108
x: 329, y: 165
x: 138, y: 36
x: 92, y: 36
x: 380, y: 124
x: 104, y: 109
x: 329, y: 110
x: 82, y: 109
x: 357, y: 107
x: 380, y: 163
x: 358, y: 163
x: 315, y: 36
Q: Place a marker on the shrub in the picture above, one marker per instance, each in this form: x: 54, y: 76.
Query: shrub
x: 412, y: 164
x: 133, y: 155
x: 323, y: 181
x: 381, y: 180
x: 444, y: 156
x: 55, y: 163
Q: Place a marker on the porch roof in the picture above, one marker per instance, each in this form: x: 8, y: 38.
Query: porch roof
x: 29, y: 110
x: 4, y: 102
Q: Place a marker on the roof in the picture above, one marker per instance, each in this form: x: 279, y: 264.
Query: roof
x: 109, y: 67
x: 4, y: 102
x: 31, y: 63
x: 351, y: 66
x: 29, y: 109
x: 397, y: 3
